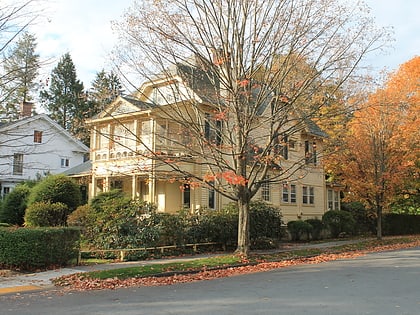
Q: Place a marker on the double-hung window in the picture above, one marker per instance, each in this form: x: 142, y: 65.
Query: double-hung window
x: 265, y: 189
x: 37, y: 136
x: 17, y: 164
x: 289, y: 193
x: 308, y: 197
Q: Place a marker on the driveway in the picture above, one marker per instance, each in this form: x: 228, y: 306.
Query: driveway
x: 380, y: 283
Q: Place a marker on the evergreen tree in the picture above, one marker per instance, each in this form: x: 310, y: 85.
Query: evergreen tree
x: 21, y: 66
x: 65, y: 100
x: 106, y: 87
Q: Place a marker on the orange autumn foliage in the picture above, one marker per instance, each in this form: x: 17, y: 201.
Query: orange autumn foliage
x: 383, y: 141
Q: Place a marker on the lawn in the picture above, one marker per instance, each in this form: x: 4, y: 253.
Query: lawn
x: 228, y: 265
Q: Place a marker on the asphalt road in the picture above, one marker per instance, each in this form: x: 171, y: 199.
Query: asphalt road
x: 381, y: 283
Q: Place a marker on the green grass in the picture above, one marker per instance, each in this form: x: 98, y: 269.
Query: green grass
x: 155, y: 269
x: 230, y: 260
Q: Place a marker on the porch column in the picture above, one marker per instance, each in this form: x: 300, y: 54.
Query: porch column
x: 134, y: 194
x: 106, y: 184
x: 92, y: 190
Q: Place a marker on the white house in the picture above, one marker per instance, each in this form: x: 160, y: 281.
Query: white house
x: 34, y: 146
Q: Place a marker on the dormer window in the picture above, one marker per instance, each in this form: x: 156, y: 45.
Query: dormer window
x: 37, y: 136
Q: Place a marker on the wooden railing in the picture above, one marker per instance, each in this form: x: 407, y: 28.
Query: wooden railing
x: 122, y: 252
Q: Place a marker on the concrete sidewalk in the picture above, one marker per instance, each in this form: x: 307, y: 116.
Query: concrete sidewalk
x: 25, y: 282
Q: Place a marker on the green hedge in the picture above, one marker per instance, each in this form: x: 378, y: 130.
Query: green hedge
x: 35, y: 248
x: 339, y: 222
x: 401, y: 224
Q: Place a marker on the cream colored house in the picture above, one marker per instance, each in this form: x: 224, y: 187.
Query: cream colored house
x: 138, y: 146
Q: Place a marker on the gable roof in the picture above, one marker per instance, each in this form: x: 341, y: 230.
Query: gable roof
x: 124, y: 105
x: 21, y: 122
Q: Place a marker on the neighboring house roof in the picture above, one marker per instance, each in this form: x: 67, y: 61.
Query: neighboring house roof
x: 61, y: 130
x: 83, y: 169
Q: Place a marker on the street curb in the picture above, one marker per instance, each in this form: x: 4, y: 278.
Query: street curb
x: 19, y: 289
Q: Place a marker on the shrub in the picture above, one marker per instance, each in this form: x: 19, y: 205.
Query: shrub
x: 298, y: 229
x: 57, y: 188
x: 365, y: 219
x: 265, y: 221
x: 80, y: 217
x: 317, y: 228
x: 338, y: 222
x: 33, y: 248
x: 401, y: 224
x: 172, y: 228
x: 13, y: 207
x: 216, y: 226
x: 115, y: 221
x: 46, y: 214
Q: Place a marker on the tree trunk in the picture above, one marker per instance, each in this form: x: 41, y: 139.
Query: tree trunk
x: 379, y: 222
x: 243, y: 228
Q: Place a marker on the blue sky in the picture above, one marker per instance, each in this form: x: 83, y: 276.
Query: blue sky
x: 83, y: 28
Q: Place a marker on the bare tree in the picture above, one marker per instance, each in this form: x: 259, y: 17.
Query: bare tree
x: 257, y: 63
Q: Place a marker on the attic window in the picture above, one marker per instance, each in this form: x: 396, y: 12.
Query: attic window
x: 37, y: 136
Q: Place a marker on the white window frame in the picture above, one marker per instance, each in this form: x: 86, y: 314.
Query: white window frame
x: 308, y: 195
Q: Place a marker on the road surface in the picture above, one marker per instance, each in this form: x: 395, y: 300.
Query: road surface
x: 380, y: 283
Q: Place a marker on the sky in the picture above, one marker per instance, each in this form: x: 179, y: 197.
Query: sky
x: 83, y: 28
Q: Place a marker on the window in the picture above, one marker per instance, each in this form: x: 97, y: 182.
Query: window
x: 310, y: 152
x: 292, y: 193
x: 308, y: 196
x: 337, y: 200
x: 65, y: 162
x: 285, y: 148
x: 6, y: 190
x: 213, y: 130
x: 333, y: 199
x: 330, y: 199
x: 186, y: 196
x: 212, y: 198
x: 265, y: 189
x: 289, y: 193
x: 281, y: 146
x: 37, y: 136
x: 17, y: 164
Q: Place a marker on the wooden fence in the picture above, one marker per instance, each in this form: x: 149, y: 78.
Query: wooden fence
x: 122, y: 252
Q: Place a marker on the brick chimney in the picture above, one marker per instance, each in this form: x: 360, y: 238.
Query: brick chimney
x: 26, y: 109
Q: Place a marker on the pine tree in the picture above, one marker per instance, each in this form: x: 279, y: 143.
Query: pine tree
x: 65, y: 100
x: 106, y: 87
x: 21, y: 66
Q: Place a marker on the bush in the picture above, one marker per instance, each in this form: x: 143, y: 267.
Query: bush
x: 317, y: 228
x: 46, y: 214
x: 79, y: 217
x: 172, y: 228
x: 265, y: 221
x: 115, y: 221
x: 214, y: 226
x: 338, y: 222
x: 401, y: 224
x: 33, y: 248
x: 13, y: 207
x: 57, y: 188
x: 298, y: 229
x: 365, y: 219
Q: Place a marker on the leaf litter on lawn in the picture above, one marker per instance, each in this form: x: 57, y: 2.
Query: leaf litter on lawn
x: 82, y: 281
